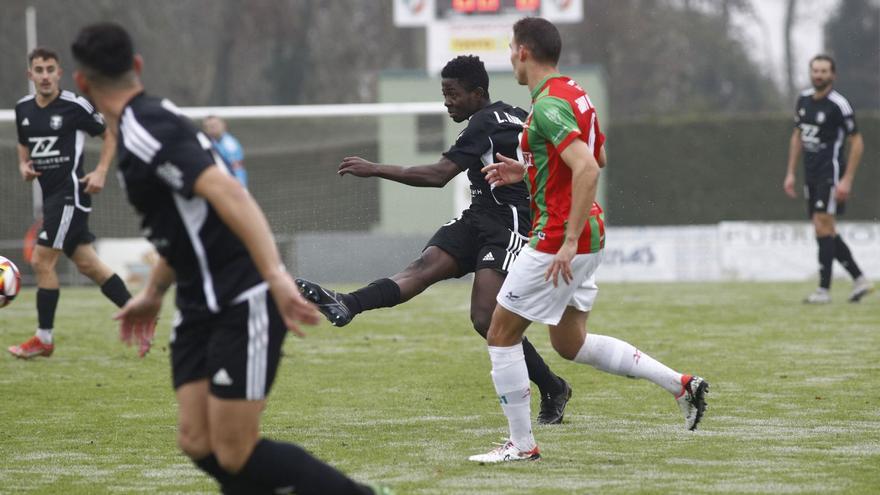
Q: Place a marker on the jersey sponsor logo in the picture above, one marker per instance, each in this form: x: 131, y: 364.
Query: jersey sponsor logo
x: 507, y: 118
x: 44, y: 146
x: 810, y: 137
x: 172, y: 175
x: 55, y: 122
x: 488, y: 257
x: 25, y: 122
x: 222, y: 378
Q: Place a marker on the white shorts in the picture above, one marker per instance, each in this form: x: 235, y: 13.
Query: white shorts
x: 526, y: 293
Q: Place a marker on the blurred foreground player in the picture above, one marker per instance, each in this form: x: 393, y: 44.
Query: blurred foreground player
x: 562, y: 148
x: 52, y: 125
x: 823, y: 118
x: 484, y: 241
x: 235, y: 301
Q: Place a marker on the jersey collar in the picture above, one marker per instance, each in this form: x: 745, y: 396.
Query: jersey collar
x: 540, y: 86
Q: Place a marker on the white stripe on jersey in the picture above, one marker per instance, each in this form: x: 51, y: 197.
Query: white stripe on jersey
x: 838, y: 143
x: 591, y: 140
x: 80, y: 142
x: 841, y: 102
x: 25, y: 98
x: 258, y: 346
x: 137, y: 139
x: 79, y: 100
x: 193, y: 212
x: 63, y: 226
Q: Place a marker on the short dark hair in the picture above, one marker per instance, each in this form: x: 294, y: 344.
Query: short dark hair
x: 540, y: 36
x: 105, y: 48
x: 43, y: 53
x: 469, y: 70
x: 826, y: 58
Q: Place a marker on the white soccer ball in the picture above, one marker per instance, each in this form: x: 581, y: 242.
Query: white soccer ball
x: 10, y: 281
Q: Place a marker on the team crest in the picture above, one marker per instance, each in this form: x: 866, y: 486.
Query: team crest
x: 820, y: 117
x: 55, y: 122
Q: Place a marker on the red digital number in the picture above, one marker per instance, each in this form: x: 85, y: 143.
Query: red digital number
x: 528, y: 5
x: 464, y: 6
x: 488, y: 5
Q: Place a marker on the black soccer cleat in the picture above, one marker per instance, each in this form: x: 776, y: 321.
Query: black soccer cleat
x: 329, y: 303
x: 553, y: 406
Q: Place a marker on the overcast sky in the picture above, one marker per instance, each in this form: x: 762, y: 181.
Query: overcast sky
x: 765, y: 38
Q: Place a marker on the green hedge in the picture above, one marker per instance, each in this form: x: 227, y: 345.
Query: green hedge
x: 702, y: 171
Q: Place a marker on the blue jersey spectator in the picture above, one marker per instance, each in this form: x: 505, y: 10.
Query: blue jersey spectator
x: 227, y: 146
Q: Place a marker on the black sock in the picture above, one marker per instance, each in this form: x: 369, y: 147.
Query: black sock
x: 826, y: 258
x: 844, y: 256
x: 47, y: 301
x: 115, y: 290
x: 382, y: 293
x: 539, y: 372
x: 210, y: 465
x: 283, y: 465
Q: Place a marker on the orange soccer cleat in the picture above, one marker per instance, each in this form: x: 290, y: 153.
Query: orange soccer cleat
x: 33, y: 347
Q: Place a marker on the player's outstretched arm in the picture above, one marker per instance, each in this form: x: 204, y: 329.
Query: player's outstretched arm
x: 584, y: 182
x: 856, y: 149
x: 794, y: 153
x: 436, y: 175
x: 504, y: 172
x: 94, y: 181
x: 243, y: 216
x: 25, y: 164
x: 137, y: 319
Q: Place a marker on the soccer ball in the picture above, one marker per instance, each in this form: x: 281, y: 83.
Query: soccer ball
x: 10, y: 281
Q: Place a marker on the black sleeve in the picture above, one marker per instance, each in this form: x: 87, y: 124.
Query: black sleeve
x: 797, y: 113
x: 470, y: 145
x: 88, y: 119
x: 22, y: 140
x: 183, y: 156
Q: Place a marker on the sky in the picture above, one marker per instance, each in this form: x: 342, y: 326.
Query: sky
x: 765, y: 40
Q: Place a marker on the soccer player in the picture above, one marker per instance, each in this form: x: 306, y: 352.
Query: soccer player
x: 52, y: 125
x: 227, y: 146
x: 563, y: 149
x: 823, y: 117
x: 235, y: 301
x: 485, y: 240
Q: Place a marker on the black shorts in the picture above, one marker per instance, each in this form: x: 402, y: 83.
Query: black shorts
x: 238, y: 349
x: 64, y: 227
x: 821, y: 199
x: 484, y: 238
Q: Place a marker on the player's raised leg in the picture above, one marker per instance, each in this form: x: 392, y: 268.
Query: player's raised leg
x: 555, y: 392
x: 862, y: 286
x: 43, y: 262
x: 432, y: 266
x: 612, y: 355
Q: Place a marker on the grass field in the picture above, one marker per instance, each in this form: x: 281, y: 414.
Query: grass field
x: 403, y: 396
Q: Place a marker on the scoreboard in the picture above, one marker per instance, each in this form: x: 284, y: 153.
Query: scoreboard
x: 449, y: 9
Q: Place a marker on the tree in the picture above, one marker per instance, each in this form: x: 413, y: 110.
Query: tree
x: 852, y: 36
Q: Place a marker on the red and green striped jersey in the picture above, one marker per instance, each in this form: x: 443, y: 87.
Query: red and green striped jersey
x: 561, y: 113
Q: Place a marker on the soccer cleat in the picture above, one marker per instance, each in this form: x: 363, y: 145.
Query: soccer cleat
x: 861, y: 288
x: 553, y: 406
x: 329, y: 303
x: 506, y: 452
x: 380, y: 489
x: 692, y: 400
x: 819, y: 296
x: 33, y: 347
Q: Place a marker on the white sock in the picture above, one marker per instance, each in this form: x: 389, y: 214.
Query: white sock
x: 45, y: 336
x: 621, y: 358
x: 511, y: 379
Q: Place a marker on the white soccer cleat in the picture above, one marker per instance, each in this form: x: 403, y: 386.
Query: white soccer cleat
x: 692, y: 400
x: 819, y: 296
x: 861, y: 288
x: 507, y: 452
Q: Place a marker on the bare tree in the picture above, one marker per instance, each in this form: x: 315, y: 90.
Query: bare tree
x: 790, y: 21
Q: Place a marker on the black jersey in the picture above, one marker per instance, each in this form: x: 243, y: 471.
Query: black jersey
x: 55, y: 137
x: 824, y: 125
x: 161, y: 154
x: 495, y: 128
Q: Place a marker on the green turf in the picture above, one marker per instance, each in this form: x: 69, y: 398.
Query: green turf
x: 403, y: 396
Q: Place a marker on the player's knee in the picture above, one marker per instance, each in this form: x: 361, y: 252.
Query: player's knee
x: 86, y: 267
x: 42, y: 264
x: 565, y: 351
x: 193, y: 441
x: 481, y: 321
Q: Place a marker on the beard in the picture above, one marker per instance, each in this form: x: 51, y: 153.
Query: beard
x: 821, y: 85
